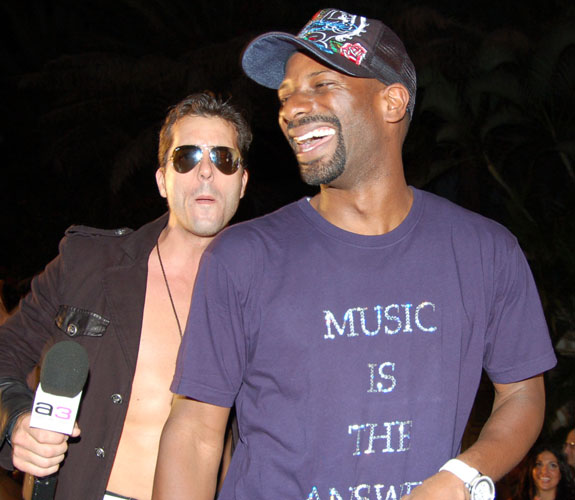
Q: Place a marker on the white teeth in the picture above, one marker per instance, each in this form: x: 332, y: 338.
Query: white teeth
x: 318, y: 133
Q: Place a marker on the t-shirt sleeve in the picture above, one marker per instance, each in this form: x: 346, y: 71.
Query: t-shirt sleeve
x: 212, y: 355
x: 517, y: 344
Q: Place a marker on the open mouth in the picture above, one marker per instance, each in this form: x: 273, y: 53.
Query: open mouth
x: 311, y: 140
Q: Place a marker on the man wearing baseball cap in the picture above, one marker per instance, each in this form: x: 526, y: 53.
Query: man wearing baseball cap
x: 350, y: 329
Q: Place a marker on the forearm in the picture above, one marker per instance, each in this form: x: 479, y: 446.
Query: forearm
x: 185, y: 471
x: 226, y: 459
x: 512, y: 428
x: 188, y: 461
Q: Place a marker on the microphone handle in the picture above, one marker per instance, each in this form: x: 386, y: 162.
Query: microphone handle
x: 45, y: 487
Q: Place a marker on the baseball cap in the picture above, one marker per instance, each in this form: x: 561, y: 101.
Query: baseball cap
x: 352, y: 44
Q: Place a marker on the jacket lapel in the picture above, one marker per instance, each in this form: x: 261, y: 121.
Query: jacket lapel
x: 125, y: 287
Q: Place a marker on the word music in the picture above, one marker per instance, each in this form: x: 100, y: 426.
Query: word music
x: 394, y: 318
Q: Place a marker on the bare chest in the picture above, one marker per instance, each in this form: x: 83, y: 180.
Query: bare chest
x: 151, y: 399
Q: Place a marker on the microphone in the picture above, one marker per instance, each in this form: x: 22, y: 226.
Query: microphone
x: 62, y: 378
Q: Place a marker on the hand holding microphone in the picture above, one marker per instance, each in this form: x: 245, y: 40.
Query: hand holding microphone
x: 39, y: 439
x: 37, y: 451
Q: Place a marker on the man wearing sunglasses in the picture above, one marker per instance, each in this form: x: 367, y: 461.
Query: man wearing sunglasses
x: 125, y: 297
x: 350, y: 329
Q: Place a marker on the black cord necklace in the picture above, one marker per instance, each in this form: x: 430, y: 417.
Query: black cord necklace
x: 168, y: 288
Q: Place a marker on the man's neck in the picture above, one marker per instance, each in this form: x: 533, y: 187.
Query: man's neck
x: 180, y: 248
x: 371, y: 210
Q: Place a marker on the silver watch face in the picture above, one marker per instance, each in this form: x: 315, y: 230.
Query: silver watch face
x: 483, y: 489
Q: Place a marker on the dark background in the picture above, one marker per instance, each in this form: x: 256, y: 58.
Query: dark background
x: 85, y: 86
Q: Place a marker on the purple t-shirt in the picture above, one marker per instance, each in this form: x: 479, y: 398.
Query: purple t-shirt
x: 354, y: 360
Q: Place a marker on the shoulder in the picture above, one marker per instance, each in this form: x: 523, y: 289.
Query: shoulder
x: 87, y: 242
x: 88, y: 231
x: 264, y: 230
x: 86, y: 239
x: 248, y: 247
x: 463, y: 225
x: 80, y: 234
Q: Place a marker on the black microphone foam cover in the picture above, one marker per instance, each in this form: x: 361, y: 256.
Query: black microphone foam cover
x: 65, y: 369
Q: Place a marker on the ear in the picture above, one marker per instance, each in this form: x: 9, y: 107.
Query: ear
x: 396, y: 98
x: 245, y: 177
x: 161, y: 181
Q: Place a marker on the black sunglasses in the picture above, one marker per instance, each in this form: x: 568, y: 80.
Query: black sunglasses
x: 227, y: 160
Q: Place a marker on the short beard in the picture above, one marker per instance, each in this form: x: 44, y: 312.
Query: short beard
x: 319, y: 172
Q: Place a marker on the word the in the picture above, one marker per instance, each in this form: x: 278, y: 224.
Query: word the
x: 395, y: 439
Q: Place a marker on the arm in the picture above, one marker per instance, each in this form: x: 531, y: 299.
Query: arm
x: 226, y: 459
x: 512, y: 427
x: 190, y: 451
x: 23, y: 337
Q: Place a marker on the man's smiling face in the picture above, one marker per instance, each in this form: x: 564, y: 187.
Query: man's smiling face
x: 326, y: 117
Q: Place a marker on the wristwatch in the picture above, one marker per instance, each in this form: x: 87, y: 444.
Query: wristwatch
x: 480, y: 487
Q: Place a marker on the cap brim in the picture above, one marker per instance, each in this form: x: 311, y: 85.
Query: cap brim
x: 264, y: 59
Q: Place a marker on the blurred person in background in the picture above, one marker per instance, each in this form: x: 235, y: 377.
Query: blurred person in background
x: 547, y: 476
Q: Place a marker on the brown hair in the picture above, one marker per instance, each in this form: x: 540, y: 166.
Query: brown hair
x: 204, y: 104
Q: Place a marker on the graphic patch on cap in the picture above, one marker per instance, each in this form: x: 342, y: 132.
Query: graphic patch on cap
x: 334, y: 31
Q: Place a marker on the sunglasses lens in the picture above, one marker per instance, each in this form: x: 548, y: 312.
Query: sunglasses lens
x: 186, y: 157
x: 226, y: 159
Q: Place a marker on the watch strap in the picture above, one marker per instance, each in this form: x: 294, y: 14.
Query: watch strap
x: 463, y: 471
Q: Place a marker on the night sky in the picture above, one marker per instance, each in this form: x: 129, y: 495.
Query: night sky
x: 85, y: 86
